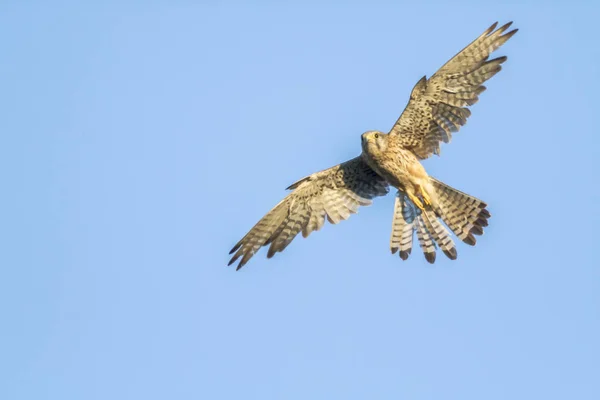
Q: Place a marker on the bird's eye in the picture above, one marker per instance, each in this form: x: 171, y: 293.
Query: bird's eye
x: 376, y: 135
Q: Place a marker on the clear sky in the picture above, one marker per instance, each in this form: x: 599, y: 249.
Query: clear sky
x: 140, y: 142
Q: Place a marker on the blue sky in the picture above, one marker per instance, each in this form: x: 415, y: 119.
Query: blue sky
x: 141, y: 142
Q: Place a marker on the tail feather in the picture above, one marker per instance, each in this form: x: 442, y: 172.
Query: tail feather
x: 464, y: 214
x: 407, y: 220
x: 403, y: 225
x: 426, y: 241
x: 439, y: 233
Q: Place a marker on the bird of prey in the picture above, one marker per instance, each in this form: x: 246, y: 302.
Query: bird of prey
x: 437, y: 107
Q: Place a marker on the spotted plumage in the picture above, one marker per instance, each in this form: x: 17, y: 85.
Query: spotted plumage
x: 437, y: 108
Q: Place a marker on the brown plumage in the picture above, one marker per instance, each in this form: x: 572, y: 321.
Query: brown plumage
x: 436, y: 109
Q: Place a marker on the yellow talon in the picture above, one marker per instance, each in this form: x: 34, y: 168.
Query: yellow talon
x: 426, y: 197
x: 417, y: 202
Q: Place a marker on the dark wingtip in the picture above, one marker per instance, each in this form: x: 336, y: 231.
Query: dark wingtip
x: 508, y: 35
x: 297, y: 183
x: 505, y: 26
x: 476, y: 230
x: 237, y: 246
x: 393, y: 250
x: 511, y: 33
x: 470, y: 240
x: 484, y: 213
x: 233, y: 259
x: 481, y: 222
x: 500, y: 60
x: 451, y: 254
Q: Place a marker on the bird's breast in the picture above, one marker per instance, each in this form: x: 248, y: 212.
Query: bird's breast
x: 398, y: 167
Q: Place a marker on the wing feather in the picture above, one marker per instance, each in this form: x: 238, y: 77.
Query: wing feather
x: 437, y: 106
x: 334, y: 193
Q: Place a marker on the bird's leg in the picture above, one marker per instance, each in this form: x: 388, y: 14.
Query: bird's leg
x: 416, y: 200
x: 426, y: 197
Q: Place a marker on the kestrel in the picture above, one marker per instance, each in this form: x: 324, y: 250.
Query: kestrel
x: 437, y: 108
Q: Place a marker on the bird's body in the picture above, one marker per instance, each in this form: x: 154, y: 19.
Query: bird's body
x: 438, y: 107
x: 398, y: 166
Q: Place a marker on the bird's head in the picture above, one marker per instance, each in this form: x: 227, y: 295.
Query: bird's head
x: 374, y: 142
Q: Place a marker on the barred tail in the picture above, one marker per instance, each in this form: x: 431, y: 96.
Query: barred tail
x: 465, y: 215
x: 426, y: 241
x: 408, y: 219
x: 403, y: 225
x: 439, y: 233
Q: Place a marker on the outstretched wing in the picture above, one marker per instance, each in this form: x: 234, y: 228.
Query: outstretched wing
x: 334, y: 193
x: 438, y: 105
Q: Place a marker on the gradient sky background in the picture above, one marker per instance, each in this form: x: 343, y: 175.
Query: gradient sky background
x: 139, y: 143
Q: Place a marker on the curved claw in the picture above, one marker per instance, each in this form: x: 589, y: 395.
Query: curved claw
x: 426, y: 197
x: 417, y: 201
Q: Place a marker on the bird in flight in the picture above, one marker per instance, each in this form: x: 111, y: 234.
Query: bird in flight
x: 437, y: 107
